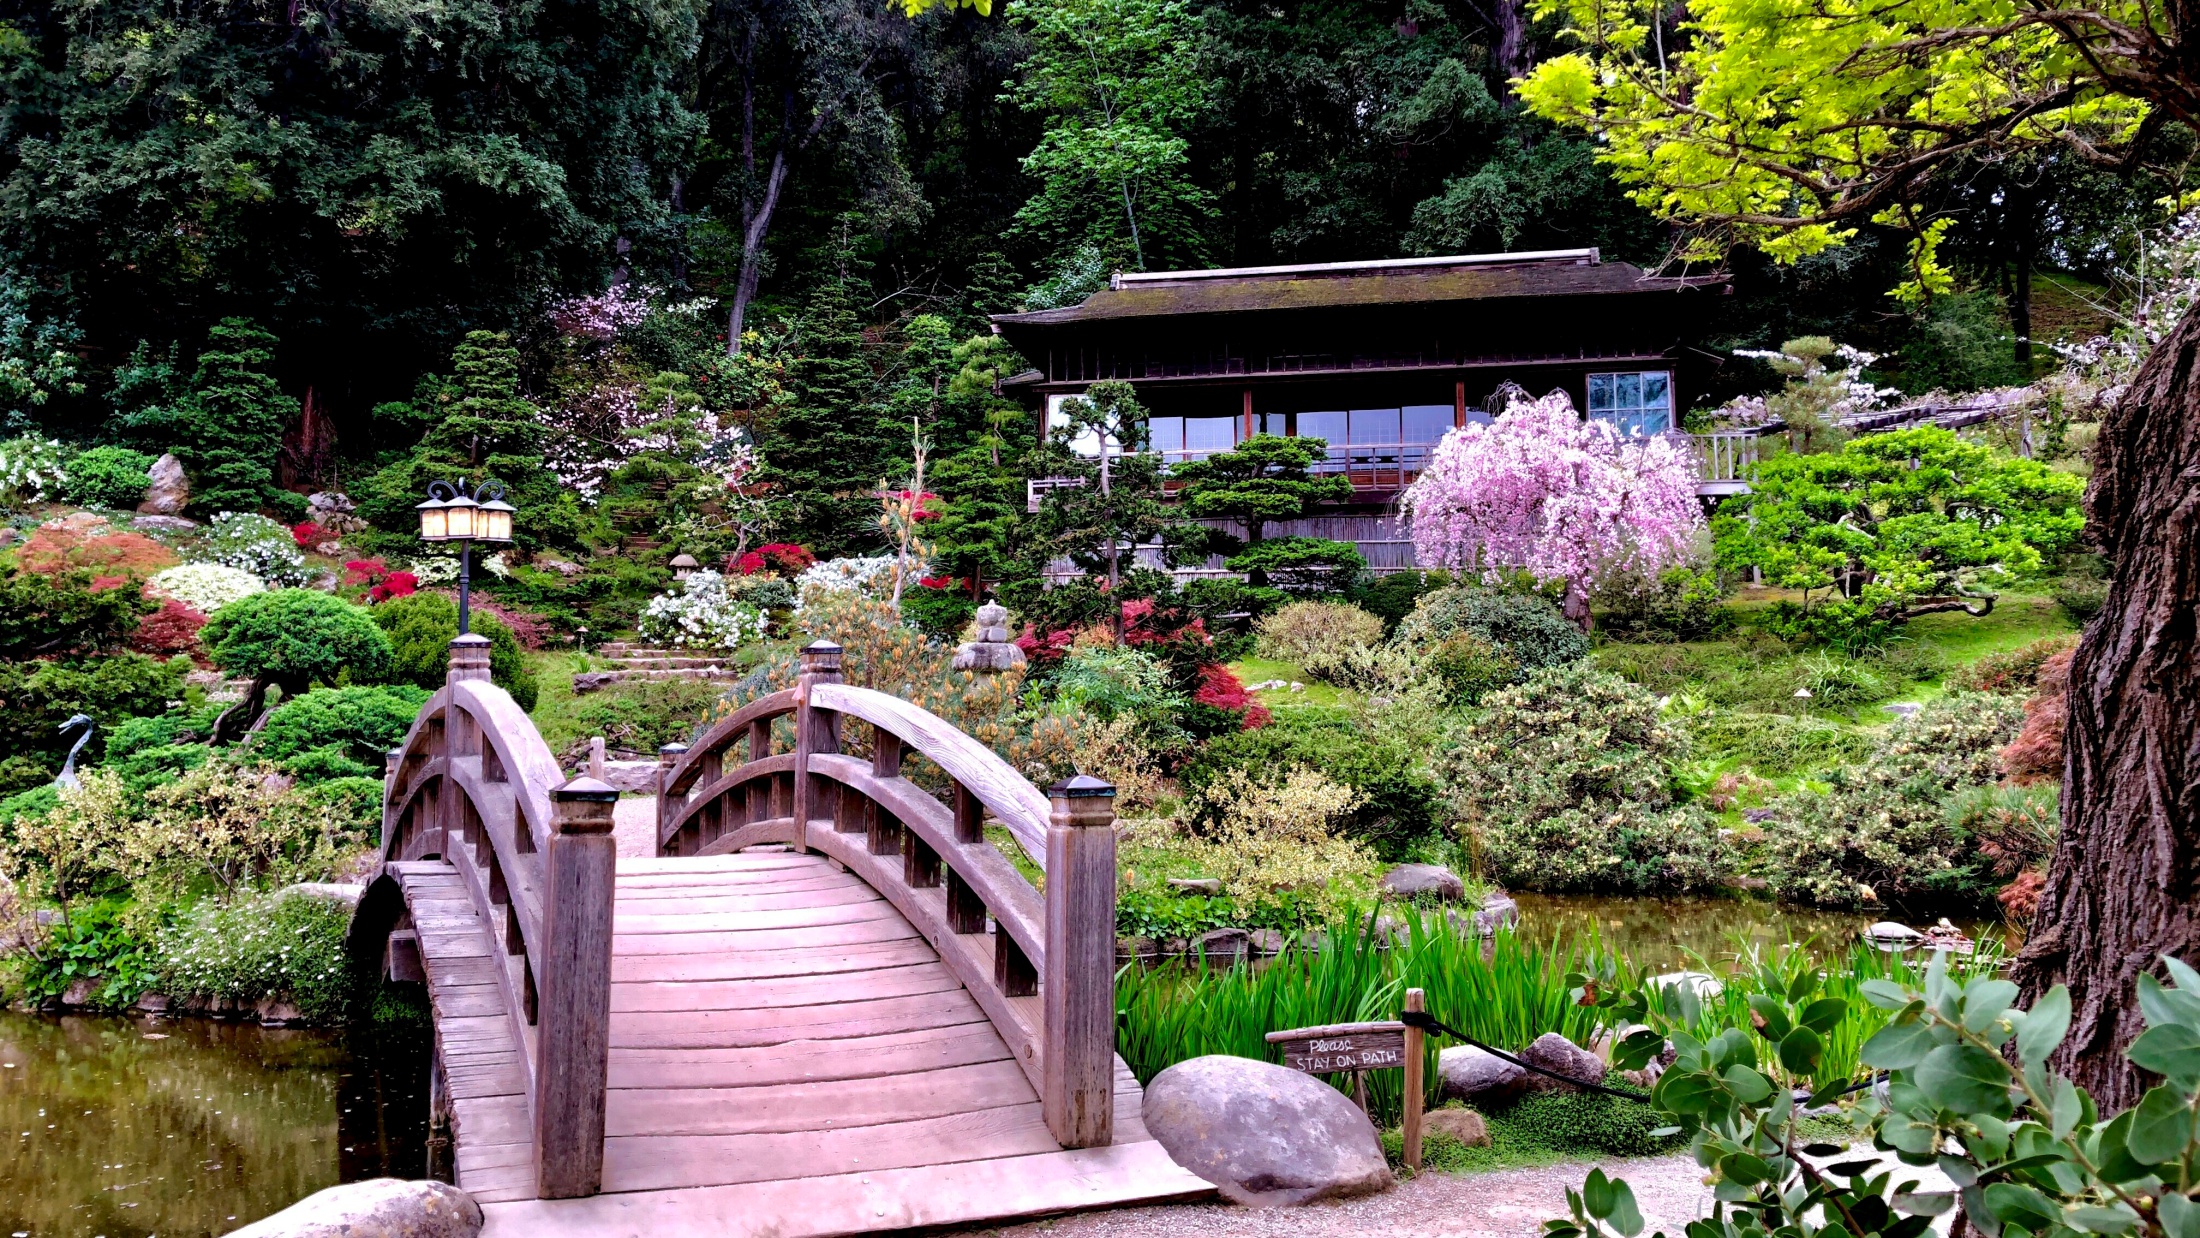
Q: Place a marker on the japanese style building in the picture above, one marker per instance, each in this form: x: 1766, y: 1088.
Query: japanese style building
x: 1378, y: 358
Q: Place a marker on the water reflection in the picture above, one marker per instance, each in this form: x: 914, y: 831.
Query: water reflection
x: 130, y: 1128
x: 1664, y: 933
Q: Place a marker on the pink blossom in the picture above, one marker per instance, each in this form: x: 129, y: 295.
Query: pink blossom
x: 603, y: 316
x: 1544, y: 491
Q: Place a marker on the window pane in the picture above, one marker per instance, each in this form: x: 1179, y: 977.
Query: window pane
x: 1323, y: 425
x: 1600, y: 392
x: 1426, y: 423
x: 1209, y: 433
x: 1275, y: 423
x: 1166, y: 433
x: 1657, y: 389
x: 1626, y: 391
x: 1476, y: 417
x: 1374, y: 425
x: 1653, y: 421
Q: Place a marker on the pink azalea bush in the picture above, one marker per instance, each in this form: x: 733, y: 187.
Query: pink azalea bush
x: 1544, y: 491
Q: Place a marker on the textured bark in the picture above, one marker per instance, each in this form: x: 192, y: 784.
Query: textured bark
x: 2120, y: 889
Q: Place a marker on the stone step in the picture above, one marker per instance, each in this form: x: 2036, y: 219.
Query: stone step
x: 638, y: 662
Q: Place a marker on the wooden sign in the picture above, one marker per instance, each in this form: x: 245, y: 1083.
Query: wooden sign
x: 1383, y: 1049
x: 1355, y: 1049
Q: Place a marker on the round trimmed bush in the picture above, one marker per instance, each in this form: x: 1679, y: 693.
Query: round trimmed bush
x: 112, y: 477
x: 297, y: 638
x: 1525, y: 627
x: 421, y: 627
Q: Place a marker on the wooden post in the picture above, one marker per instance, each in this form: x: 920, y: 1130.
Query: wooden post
x: 1416, y: 1063
x: 1078, y: 994
x: 815, y: 731
x: 572, y: 968
x: 595, y: 757
x: 469, y: 658
x: 668, y: 755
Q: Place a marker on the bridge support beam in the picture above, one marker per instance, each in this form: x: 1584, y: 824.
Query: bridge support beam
x: 1078, y: 994
x: 573, y: 975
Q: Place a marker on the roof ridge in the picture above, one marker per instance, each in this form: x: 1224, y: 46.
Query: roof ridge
x: 1588, y: 256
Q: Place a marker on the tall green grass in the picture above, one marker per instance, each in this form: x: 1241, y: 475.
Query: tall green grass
x: 1506, y: 993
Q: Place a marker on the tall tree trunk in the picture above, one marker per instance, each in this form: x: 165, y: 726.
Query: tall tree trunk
x: 1512, y: 42
x: 2123, y: 887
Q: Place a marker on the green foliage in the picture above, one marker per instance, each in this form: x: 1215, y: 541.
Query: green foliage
x: 1564, y: 783
x: 1525, y: 627
x: 98, y: 942
x: 1591, y: 1122
x: 1893, y: 526
x: 1108, y: 683
x: 355, y: 726
x: 1392, y: 597
x: 643, y: 715
x: 1079, y: 522
x: 1300, y: 566
x: 274, y: 945
x: 421, y: 627
x: 43, y: 615
x: 37, y: 697
x: 2017, y: 671
x: 113, y: 477
x: 1960, y: 342
x: 1880, y: 833
x: 1681, y: 603
x: 1968, y: 1090
x: 1774, y: 744
x: 1397, y: 800
x: 227, y: 426
x: 2081, y: 596
x: 148, y: 751
x: 297, y: 638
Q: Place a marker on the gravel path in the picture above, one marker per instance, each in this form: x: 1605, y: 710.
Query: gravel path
x: 1507, y: 1203
x: 634, y: 825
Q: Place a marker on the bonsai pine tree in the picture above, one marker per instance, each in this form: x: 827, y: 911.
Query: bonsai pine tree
x: 291, y: 639
x: 227, y: 425
x: 1265, y: 480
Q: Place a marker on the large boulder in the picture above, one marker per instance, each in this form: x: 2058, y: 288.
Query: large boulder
x: 1264, y: 1135
x: 170, y: 491
x: 1464, y: 1125
x: 1560, y: 1056
x: 1480, y: 1077
x: 376, y: 1208
x: 1424, y: 881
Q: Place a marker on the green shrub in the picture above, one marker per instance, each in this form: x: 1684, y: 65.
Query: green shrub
x: 1471, y: 666
x: 1591, y: 1122
x: 1564, y: 784
x: 1398, y: 801
x: 1881, y: 832
x: 297, y: 638
x: 1302, y: 629
x: 1774, y: 744
x: 421, y: 628
x: 1680, y: 603
x: 2081, y: 596
x: 39, y: 696
x: 1524, y: 626
x: 1109, y: 683
x: 41, y: 615
x: 113, y: 477
x: 97, y: 941
x: 1391, y: 598
x: 286, y: 945
x: 355, y: 802
x: 941, y: 613
x: 2016, y: 671
x: 359, y: 723
x: 149, y: 751
x: 642, y: 715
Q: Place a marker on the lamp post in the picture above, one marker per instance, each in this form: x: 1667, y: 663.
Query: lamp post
x: 453, y: 515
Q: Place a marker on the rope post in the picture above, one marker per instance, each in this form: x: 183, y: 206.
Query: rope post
x: 572, y: 969
x: 1416, y: 1066
x: 1078, y: 993
x: 815, y: 731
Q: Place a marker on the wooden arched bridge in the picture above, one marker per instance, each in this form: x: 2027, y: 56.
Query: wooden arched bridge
x: 872, y: 1022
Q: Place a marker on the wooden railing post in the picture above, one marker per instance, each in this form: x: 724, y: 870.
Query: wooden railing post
x: 572, y: 969
x: 1078, y: 993
x: 815, y: 731
x: 668, y: 755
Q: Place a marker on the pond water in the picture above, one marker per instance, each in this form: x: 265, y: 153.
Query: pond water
x: 158, y: 1128
x: 1670, y: 934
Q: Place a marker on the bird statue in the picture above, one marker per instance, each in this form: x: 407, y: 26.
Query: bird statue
x: 67, y: 780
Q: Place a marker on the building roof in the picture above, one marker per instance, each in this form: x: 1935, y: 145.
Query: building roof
x: 1398, y: 281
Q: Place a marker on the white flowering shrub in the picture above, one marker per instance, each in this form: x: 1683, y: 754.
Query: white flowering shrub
x: 276, y: 945
x: 433, y: 571
x: 30, y: 469
x: 870, y: 576
x: 206, y: 587
x: 703, y: 614
x: 251, y: 542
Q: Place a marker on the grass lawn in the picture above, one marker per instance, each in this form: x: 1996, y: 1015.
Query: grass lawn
x: 557, y: 709
x: 1315, y: 695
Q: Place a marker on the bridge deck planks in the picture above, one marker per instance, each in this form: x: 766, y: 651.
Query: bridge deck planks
x: 779, y: 1032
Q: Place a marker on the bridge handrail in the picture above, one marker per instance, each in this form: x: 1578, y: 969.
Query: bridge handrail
x: 690, y: 763
x: 474, y: 783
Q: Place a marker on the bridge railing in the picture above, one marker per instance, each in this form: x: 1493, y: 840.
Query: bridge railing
x: 1042, y: 968
x: 474, y: 785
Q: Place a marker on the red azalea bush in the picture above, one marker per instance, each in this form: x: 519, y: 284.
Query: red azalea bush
x: 171, y: 630
x: 784, y: 558
x: 1221, y: 689
x: 308, y: 534
x: 382, y: 583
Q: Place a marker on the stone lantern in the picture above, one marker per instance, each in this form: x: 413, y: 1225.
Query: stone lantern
x: 683, y: 566
x: 992, y: 651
